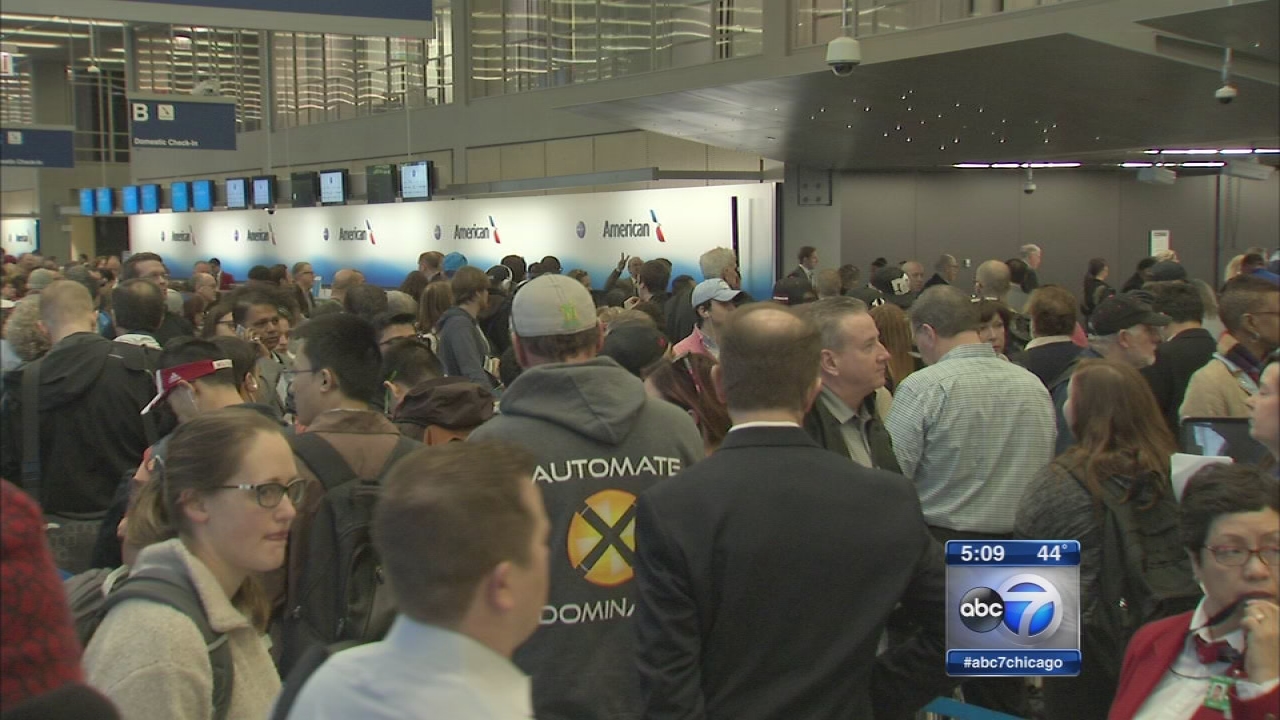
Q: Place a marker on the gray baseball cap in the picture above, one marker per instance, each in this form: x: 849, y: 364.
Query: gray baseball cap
x: 552, y: 305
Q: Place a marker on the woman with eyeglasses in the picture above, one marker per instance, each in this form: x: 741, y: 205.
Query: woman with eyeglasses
x: 225, y: 498
x: 1223, y: 659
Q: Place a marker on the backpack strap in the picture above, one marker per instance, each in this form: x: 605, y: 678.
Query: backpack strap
x: 403, y: 447
x: 31, y: 429
x: 323, y: 458
x: 167, y: 587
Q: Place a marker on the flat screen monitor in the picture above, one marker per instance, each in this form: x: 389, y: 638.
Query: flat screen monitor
x: 380, y: 182
x: 303, y: 189
x: 150, y: 198
x: 202, y: 195
x: 129, y: 199
x: 237, y: 198
x: 264, y: 191
x: 180, y: 196
x: 104, y: 201
x: 415, y: 180
x: 333, y: 187
x: 86, y: 201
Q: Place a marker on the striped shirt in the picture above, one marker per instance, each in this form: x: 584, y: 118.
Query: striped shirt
x: 972, y: 431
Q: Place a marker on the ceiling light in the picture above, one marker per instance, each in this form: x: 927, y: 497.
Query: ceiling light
x: 1204, y: 164
x: 1040, y: 165
x: 1191, y: 151
x: 1005, y: 166
x: 1135, y: 164
x: 1266, y: 151
x: 34, y: 44
x: 1236, y: 151
x: 1150, y: 152
x: 972, y: 166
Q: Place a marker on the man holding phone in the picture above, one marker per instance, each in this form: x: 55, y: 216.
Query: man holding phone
x: 257, y: 318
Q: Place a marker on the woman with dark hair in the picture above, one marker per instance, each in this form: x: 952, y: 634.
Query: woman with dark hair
x: 1122, y: 449
x: 1096, y: 288
x: 413, y: 285
x: 225, y: 498
x: 1140, y: 275
x: 218, y: 321
x: 995, y: 319
x: 686, y: 383
x: 1223, y: 658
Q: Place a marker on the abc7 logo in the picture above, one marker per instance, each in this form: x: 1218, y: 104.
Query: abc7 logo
x: 1025, y: 609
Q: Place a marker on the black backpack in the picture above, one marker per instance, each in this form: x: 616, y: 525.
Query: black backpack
x: 93, y: 593
x: 342, y: 594
x: 1144, y: 573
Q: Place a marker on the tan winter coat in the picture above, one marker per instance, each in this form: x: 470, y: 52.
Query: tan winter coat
x: 151, y: 661
x: 1217, y: 390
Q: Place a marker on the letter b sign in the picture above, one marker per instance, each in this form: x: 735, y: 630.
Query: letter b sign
x: 981, y: 609
x: 141, y: 113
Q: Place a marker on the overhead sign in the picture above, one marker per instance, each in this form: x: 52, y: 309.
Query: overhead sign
x: 388, y: 9
x: 31, y: 146
x: 164, y: 122
x: 20, y: 235
x: 384, y: 240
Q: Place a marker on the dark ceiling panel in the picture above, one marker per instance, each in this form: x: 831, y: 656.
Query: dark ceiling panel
x: 1055, y: 97
x: 1253, y: 28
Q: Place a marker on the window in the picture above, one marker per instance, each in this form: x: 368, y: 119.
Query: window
x: 203, y: 61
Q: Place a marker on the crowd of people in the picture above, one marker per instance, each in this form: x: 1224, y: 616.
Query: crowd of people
x: 512, y: 493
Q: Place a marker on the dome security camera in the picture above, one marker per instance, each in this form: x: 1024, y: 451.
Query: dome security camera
x: 1029, y: 184
x: 843, y: 55
x: 1226, y: 94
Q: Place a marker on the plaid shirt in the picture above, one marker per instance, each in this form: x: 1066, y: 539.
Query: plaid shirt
x: 972, y: 431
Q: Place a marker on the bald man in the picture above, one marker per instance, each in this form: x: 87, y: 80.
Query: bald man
x: 993, y: 281
x: 344, y: 280
x: 90, y: 393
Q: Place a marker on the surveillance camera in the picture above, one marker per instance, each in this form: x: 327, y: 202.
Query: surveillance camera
x: 1029, y: 186
x: 1226, y: 94
x: 271, y: 211
x: 94, y: 70
x: 843, y: 55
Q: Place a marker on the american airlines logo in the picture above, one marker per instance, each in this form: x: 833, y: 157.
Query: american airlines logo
x: 632, y: 228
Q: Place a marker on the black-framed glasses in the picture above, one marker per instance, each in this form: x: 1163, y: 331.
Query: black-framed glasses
x: 270, y: 494
x: 1236, y: 556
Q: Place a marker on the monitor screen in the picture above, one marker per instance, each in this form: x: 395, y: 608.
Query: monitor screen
x: 380, y: 183
x: 104, y: 201
x: 180, y: 196
x: 415, y: 180
x: 129, y: 199
x: 237, y: 199
x: 202, y: 195
x: 303, y: 189
x: 264, y: 191
x: 333, y: 187
x: 86, y: 201
x: 150, y: 198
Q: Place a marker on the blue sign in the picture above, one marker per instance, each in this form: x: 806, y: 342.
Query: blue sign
x: 150, y: 198
x: 182, y: 124
x: 180, y: 196
x: 129, y: 199
x: 86, y: 201
x: 36, y: 147
x: 104, y: 203
x: 202, y: 195
x: 388, y: 9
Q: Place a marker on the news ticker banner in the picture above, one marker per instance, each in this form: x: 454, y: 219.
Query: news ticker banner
x: 38, y: 146
x: 588, y: 231
x: 1013, y: 608
x: 182, y: 122
x: 20, y: 235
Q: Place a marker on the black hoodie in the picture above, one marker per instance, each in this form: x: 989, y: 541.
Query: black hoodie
x: 91, y: 393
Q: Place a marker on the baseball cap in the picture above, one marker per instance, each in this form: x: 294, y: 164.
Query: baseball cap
x: 453, y: 262
x: 891, y: 280
x: 634, y: 347
x: 793, y: 291
x: 1167, y: 270
x: 869, y: 295
x: 169, y: 378
x: 713, y: 289
x: 1123, y: 311
x: 552, y: 305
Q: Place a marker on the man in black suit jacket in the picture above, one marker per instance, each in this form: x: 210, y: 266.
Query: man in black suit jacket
x: 766, y: 573
x: 1187, y: 348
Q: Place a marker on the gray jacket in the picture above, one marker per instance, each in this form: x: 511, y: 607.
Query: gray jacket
x: 599, y: 441
x: 463, y: 348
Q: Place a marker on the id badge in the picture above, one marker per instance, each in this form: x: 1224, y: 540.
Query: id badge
x: 1218, y: 696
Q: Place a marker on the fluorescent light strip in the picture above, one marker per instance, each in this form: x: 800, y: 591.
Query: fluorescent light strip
x: 1005, y: 166
x: 1236, y: 151
x: 1266, y: 151
x: 1135, y: 164
x: 1051, y: 165
x: 972, y: 166
x: 1203, y: 164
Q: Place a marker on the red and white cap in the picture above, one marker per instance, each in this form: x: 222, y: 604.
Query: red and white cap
x: 170, y: 378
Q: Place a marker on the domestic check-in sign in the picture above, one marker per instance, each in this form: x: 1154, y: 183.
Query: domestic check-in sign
x: 165, y: 122
x: 30, y: 146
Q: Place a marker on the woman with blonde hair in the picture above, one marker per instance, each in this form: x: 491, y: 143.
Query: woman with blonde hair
x: 895, y: 335
x: 223, y: 500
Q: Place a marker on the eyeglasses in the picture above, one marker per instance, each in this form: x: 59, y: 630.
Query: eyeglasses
x: 1235, y: 556
x: 269, y: 495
